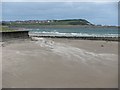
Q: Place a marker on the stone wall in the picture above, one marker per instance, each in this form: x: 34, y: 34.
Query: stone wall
x: 14, y: 35
x: 83, y: 38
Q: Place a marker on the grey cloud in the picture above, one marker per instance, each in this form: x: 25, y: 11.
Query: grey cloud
x: 99, y: 13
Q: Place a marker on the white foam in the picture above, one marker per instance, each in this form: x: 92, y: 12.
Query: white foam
x: 36, y: 38
x: 70, y: 34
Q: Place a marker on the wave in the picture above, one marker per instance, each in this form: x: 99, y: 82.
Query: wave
x: 55, y: 33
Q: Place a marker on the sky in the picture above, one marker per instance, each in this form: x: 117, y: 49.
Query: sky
x: 104, y: 13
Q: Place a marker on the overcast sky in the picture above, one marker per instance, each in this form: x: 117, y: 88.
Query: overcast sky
x: 105, y: 13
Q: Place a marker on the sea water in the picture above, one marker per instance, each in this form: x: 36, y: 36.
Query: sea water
x: 77, y: 32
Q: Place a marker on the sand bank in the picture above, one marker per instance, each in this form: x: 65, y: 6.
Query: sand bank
x: 60, y: 63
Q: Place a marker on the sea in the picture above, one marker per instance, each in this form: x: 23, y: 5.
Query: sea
x: 75, y: 32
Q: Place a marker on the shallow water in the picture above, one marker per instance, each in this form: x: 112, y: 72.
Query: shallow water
x: 94, y: 32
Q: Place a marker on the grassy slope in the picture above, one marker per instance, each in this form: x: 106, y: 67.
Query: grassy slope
x: 6, y: 29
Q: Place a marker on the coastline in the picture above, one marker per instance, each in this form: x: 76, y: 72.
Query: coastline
x: 64, y: 44
x: 24, y: 34
x: 61, y: 26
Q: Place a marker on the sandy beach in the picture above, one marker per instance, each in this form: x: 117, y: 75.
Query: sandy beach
x: 59, y: 63
x: 0, y: 67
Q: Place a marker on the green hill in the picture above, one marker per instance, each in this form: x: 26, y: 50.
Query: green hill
x: 48, y: 22
x: 71, y: 22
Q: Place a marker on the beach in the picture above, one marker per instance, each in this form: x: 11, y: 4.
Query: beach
x: 59, y: 63
x: 0, y: 67
x: 59, y: 44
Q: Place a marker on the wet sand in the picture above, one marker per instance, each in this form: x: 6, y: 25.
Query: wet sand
x: 59, y: 63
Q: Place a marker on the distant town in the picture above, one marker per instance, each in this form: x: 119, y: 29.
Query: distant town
x: 27, y: 21
x: 50, y: 22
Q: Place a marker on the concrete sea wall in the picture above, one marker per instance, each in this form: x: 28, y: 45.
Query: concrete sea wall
x: 14, y: 35
x: 83, y: 38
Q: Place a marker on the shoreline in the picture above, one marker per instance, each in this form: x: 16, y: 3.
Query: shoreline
x: 25, y: 35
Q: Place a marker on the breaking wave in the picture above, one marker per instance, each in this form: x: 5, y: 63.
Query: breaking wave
x: 55, y: 33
